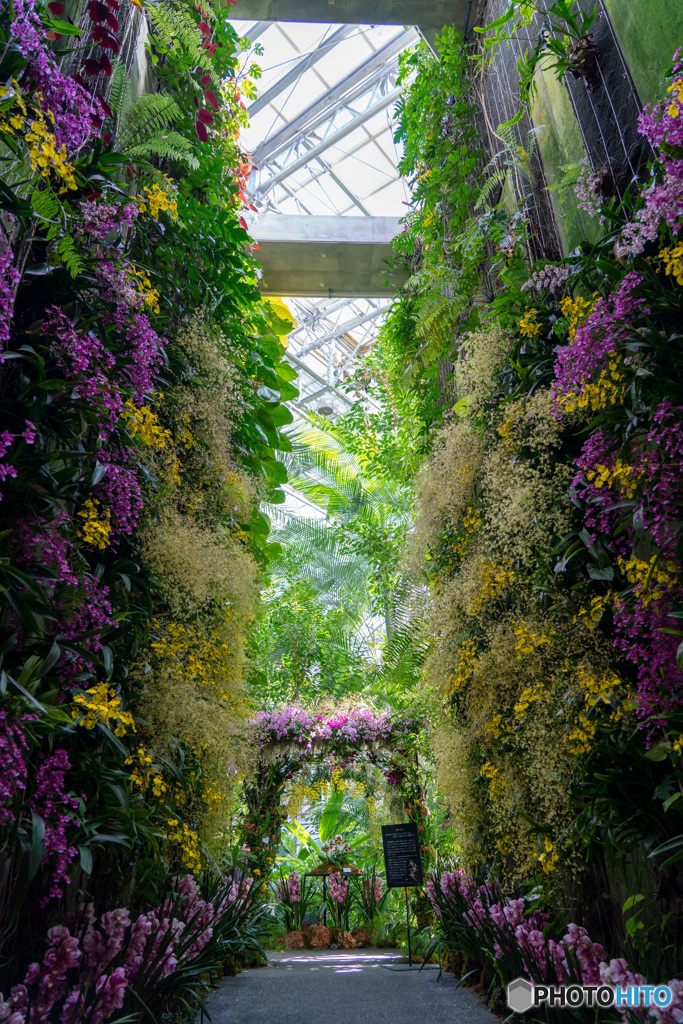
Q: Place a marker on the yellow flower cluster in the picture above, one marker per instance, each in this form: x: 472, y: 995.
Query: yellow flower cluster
x: 528, y: 325
x: 100, y: 704
x: 9, y: 122
x: 579, y: 739
x: 188, y: 841
x: 527, y: 641
x: 495, y: 581
x: 496, y: 727
x: 677, y: 102
x: 528, y: 696
x: 506, y: 431
x: 144, y: 423
x: 596, y: 690
x: 623, y: 476
x: 651, y: 579
x: 468, y: 657
x: 576, y: 312
x: 95, y: 531
x: 548, y: 857
x: 145, y: 774
x: 673, y: 262
x: 158, y: 200
x: 200, y: 656
x: 44, y: 155
x: 590, y: 617
x: 143, y: 285
x: 492, y: 773
x: 213, y: 797
x: 607, y: 390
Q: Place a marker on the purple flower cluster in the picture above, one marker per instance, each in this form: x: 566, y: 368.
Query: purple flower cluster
x: 289, y: 891
x: 73, y: 111
x: 83, y: 616
x: 656, y: 467
x: 38, y: 540
x: 9, y: 281
x: 588, y: 192
x: 7, y: 470
x: 84, y: 360
x: 120, y: 491
x: 338, y: 887
x: 51, y: 801
x: 663, y: 200
x: 550, y: 277
x: 78, y: 978
x: 99, y: 218
x: 13, y: 757
x: 361, y: 725
x: 610, y: 323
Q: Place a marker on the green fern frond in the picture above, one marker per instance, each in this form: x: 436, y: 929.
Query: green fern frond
x: 121, y: 91
x: 67, y: 250
x: 170, y: 147
x: 148, y: 119
x: 178, y: 31
x: 492, y: 182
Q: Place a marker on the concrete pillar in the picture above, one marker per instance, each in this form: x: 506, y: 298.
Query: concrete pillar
x: 429, y: 15
x: 312, y: 256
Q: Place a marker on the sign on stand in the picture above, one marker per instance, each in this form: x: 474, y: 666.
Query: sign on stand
x: 402, y: 855
x: 403, y: 868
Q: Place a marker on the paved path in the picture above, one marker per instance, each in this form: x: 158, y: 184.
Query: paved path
x: 345, y: 987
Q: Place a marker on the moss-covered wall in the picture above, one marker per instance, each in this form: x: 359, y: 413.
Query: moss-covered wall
x: 648, y: 32
x: 560, y: 143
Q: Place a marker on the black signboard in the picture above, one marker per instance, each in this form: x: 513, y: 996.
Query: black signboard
x: 402, y: 862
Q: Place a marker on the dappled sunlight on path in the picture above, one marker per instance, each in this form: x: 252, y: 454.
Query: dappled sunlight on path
x: 315, y: 987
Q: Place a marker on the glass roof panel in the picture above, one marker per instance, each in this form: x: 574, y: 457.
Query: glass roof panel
x: 332, y: 89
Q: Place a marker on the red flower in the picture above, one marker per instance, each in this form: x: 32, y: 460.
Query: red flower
x: 212, y: 49
x: 210, y: 98
x: 243, y: 224
x: 105, y: 39
x: 206, y: 79
x: 204, y: 28
x: 56, y: 8
x: 114, y: 4
x: 92, y: 66
x: 112, y: 22
x: 106, y: 65
x: 201, y: 131
x: 105, y: 106
x: 97, y: 10
x: 205, y: 116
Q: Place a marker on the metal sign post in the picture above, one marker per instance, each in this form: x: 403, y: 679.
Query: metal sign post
x: 403, y: 867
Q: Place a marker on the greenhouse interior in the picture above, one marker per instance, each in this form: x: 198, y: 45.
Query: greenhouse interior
x: 341, y: 511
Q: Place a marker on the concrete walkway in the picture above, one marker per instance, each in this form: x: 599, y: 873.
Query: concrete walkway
x: 345, y: 987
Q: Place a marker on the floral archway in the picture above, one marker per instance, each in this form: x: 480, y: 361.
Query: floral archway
x: 290, y: 738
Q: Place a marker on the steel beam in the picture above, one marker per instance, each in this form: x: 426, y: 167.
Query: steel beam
x: 345, y: 329
x: 348, y: 90
x: 290, y: 357
x: 331, y: 140
x: 300, y: 69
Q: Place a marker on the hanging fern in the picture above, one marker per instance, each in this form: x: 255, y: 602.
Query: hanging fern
x: 170, y: 147
x: 67, y: 250
x: 181, y: 38
x: 148, y: 119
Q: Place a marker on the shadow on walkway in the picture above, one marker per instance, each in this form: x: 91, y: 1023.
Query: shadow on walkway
x: 345, y: 987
